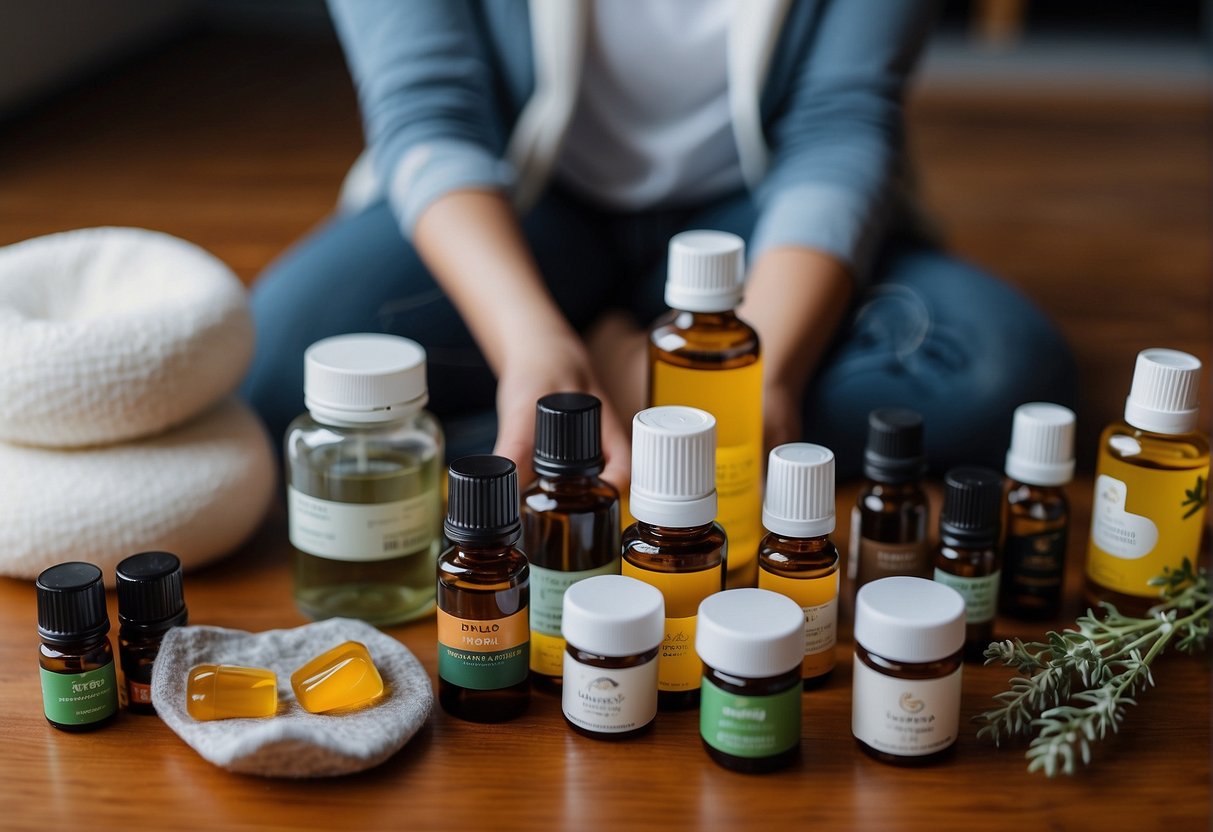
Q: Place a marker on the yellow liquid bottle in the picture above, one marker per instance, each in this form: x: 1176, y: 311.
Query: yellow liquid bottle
x: 1151, y: 484
x: 702, y: 355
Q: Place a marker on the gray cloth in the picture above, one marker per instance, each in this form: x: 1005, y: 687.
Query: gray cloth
x: 294, y: 743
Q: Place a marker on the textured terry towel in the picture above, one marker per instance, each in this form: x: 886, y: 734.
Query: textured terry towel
x: 294, y: 743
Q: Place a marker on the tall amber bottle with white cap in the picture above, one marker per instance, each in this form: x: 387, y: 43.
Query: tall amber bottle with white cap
x: 1151, y: 483
x: 797, y: 559
x: 363, y: 489
x: 675, y: 544
x: 702, y: 355
x: 1037, y: 514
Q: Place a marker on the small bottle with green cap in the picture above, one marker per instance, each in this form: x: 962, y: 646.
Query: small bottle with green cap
x: 79, y: 685
x: 968, y: 558
x: 570, y: 520
x: 483, y: 595
x: 150, y: 602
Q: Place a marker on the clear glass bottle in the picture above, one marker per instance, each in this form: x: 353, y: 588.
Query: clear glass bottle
x: 570, y: 520
x: 483, y: 593
x: 1151, y: 484
x: 76, y: 661
x: 363, y: 494
x: 751, y: 642
x: 889, y: 520
x: 702, y: 355
x: 909, y: 638
x: 1040, y: 462
x: 150, y: 603
x: 675, y: 545
x: 797, y: 559
x: 968, y: 559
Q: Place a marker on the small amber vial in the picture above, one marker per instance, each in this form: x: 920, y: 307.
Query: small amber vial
x: 79, y: 685
x: 483, y: 594
x: 797, y: 559
x: 150, y: 603
x: 339, y: 679
x: 751, y: 642
x: 613, y: 627
x: 909, y: 640
x: 227, y: 691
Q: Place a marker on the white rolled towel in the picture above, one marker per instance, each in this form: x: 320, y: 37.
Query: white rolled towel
x: 199, y: 490
x: 110, y: 334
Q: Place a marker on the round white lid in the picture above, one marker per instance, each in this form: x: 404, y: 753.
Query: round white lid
x: 365, y: 377
x: 1042, y: 444
x: 613, y: 615
x: 751, y: 633
x: 674, y: 467
x: 706, y: 271
x: 909, y: 619
x: 800, y: 491
x: 1164, y: 395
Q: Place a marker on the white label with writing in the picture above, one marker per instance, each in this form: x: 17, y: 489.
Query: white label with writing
x: 1116, y: 531
x: 609, y: 701
x: 906, y: 717
x: 361, y: 531
x: 820, y: 626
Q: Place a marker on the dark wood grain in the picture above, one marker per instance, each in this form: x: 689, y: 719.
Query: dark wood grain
x: 1096, y: 205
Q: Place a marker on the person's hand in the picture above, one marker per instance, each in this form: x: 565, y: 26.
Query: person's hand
x: 537, y: 366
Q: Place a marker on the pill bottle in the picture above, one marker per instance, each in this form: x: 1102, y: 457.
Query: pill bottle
x: 751, y: 642
x: 612, y: 627
x: 909, y: 646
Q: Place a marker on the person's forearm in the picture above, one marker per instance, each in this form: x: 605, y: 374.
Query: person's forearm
x: 795, y: 297
x: 473, y: 245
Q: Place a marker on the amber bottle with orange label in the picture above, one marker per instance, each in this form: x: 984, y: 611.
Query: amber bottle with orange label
x: 675, y: 544
x: 483, y: 594
x: 797, y: 559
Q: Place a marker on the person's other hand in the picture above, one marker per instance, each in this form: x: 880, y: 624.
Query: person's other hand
x: 546, y: 365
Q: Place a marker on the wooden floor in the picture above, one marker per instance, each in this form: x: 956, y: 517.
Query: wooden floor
x: 1095, y: 203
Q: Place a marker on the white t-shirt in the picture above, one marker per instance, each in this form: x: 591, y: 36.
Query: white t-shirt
x: 652, y: 125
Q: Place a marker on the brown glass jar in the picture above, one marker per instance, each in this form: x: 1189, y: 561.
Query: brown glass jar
x: 909, y: 648
x: 150, y: 603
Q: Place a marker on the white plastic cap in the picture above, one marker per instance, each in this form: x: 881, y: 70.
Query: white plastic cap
x: 909, y: 619
x: 1163, y: 398
x: 706, y: 271
x: 364, y: 378
x: 613, y: 615
x: 1042, y: 444
x: 800, y: 491
x: 751, y: 633
x: 674, y: 467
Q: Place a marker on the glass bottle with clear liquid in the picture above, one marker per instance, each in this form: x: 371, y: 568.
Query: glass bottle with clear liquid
x: 702, y: 355
x: 363, y: 482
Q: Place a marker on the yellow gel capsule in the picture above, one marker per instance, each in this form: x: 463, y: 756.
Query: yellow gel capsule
x: 343, y: 677
x: 226, y: 691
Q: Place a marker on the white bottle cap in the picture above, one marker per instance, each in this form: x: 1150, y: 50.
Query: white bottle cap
x: 1042, y: 444
x: 613, y: 615
x: 706, y: 270
x: 800, y: 491
x: 674, y: 467
x: 1163, y: 398
x: 751, y: 633
x: 909, y: 619
x: 364, y: 378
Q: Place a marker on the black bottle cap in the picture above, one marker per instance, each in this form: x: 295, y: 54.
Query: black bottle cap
x: 568, y: 435
x: 894, y: 452
x: 71, y: 603
x: 482, y: 501
x: 972, y: 504
x: 149, y: 589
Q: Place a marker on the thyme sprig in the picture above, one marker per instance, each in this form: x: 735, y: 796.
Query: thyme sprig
x: 1074, y: 687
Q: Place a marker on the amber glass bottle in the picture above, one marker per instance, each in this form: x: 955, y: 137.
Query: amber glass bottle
x: 889, y: 521
x: 570, y: 520
x: 1040, y: 462
x: 797, y: 559
x: 1151, y: 484
x: 150, y: 603
x: 968, y: 559
x: 674, y: 545
x: 483, y: 590
x: 702, y: 355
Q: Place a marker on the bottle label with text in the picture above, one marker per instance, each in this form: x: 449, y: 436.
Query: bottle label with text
x: 980, y: 594
x: 485, y: 654
x: 79, y: 698
x: 609, y: 701
x: 362, y: 531
x: 906, y: 717
x: 749, y: 726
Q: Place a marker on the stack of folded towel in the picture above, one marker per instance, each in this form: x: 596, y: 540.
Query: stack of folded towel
x: 119, y: 352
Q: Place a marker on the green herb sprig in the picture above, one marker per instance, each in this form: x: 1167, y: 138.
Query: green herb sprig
x: 1073, y: 688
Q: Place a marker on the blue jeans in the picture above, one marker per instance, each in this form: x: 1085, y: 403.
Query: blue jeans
x: 930, y: 332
